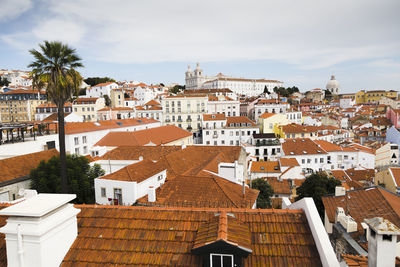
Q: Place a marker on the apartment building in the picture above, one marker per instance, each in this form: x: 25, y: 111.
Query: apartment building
x: 47, y: 109
x: 219, y: 130
x: 223, y: 104
x: 270, y: 106
x: 87, y: 107
x: 184, y: 111
x: 20, y: 105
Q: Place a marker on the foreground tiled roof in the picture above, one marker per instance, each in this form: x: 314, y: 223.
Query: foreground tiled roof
x: 289, y: 162
x: 279, y: 187
x: 203, y: 190
x: 156, y: 136
x: 20, y: 166
x: 149, y: 236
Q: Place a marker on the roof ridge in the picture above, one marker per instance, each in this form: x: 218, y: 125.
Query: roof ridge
x: 220, y: 186
x: 223, y: 226
x: 286, y: 171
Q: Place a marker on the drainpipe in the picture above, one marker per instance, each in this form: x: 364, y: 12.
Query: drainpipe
x: 20, y: 249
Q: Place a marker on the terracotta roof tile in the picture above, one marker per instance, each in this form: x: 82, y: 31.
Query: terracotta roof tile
x: 239, y: 119
x: 137, y: 172
x: 214, y: 117
x: 156, y: 136
x: 265, y: 166
x: 150, y: 236
x: 134, y: 152
x: 267, y: 115
x: 301, y: 146
x: 20, y: 166
x: 288, y: 162
x: 279, y: 187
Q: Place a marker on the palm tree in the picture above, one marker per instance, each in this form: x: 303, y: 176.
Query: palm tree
x: 55, y: 68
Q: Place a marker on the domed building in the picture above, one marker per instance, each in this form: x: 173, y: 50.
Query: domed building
x: 333, y: 85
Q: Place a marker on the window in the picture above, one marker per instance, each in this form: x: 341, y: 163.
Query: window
x: 103, y: 192
x: 223, y: 142
x: 77, y: 150
x: 231, y: 143
x: 308, y: 160
x: 84, y: 139
x: 159, y: 178
x: 117, y: 196
x: 321, y: 160
x: 207, y: 132
x: 76, y: 140
x: 85, y: 150
x: 221, y: 260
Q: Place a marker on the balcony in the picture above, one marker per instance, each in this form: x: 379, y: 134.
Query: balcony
x: 179, y: 120
x: 189, y: 120
x: 268, y: 143
x: 215, y: 136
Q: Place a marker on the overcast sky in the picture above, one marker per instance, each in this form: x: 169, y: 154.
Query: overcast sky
x: 298, y: 42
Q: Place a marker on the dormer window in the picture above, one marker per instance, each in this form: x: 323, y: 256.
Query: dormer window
x: 221, y: 260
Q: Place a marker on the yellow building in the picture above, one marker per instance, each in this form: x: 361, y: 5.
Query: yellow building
x: 296, y: 131
x: 389, y: 178
x: 117, y: 98
x: 20, y: 105
x: 269, y: 121
x: 87, y: 107
x: 373, y: 97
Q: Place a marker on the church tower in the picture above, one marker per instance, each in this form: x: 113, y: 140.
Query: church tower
x: 194, y: 79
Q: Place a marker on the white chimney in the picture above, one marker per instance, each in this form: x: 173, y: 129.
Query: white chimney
x: 382, y: 242
x: 340, y: 191
x: 40, y: 230
x: 151, y: 196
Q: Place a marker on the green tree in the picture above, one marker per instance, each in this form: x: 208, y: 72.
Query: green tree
x: 176, y: 89
x: 4, y: 81
x: 46, y: 177
x: 54, y: 66
x: 92, y: 81
x: 107, y: 100
x: 316, y: 186
x: 266, y: 191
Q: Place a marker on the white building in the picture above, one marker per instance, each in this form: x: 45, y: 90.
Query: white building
x: 270, y: 106
x: 151, y: 109
x: 130, y: 183
x: 223, y: 104
x: 333, y: 85
x: 219, y: 130
x: 101, y: 89
x: 250, y: 87
x: 263, y: 146
x: 17, y: 78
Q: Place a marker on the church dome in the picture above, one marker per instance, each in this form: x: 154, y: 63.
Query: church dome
x: 332, y: 84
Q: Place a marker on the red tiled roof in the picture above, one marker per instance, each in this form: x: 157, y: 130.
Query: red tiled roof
x: 134, y: 152
x: 288, y: 162
x: 157, y: 136
x: 265, y: 166
x: 151, y: 236
x: 81, y: 100
x: 152, y: 103
x: 137, y: 172
x: 396, y: 175
x: 239, y: 119
x: 203, y: 190
x: 214, y: 117
x: 267, y: 115
x: 301, y: 146
x: 279, y: 187
x: 103, y: 84
x: 20, y: 166
x: 115, y: 109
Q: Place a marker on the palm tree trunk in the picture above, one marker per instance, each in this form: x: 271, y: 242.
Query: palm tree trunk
x: 63, y: 158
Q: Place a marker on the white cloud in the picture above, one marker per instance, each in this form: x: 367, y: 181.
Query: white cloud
x: 309, y: 34
x: 10, y: 9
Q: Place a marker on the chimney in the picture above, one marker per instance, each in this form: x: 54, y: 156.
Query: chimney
x: 151, y: 196
x: 40, y: 230
x: 382, y: 242
x: 340, y: 191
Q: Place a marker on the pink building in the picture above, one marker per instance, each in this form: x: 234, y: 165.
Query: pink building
x: 394, y: 116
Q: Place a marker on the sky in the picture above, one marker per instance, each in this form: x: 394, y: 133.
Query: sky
x: 301, y: 43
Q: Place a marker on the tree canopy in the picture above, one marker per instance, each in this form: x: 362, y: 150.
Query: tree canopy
x: 286, y: 92
x: 107, y: 100
x: 266, y: 191
x: 4, y: 81
x: 54, y: 68
x: 96, y: 80
x: 316, y: 186
x: 46, y: 177
x: 176, y: 89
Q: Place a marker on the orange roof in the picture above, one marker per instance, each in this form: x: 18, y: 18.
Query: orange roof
x: 137, y: 172
x: 82, y: 127
x: 22, y: 91
x: 51, y: 105
x: 396, y: 175
x: 157, y: 136
x: 301, y: 146
x: 103, y: 84
x: 265, y: 166
x: 203, y: 190
x: 82, y: 100
x: 152, y: 103
x: 155, y: 236
x: 185, y: 96
x: 115, y: 109
x: 20, y: 166
x: 288, y: 162
x: 239, y: 119
x: 279, y: 187
x: 267, y: 115
x: 270, y: 101
x: 365, y: 203
x: 214, y: 117
x: 135, y: 152
x: 330, y: 147
x: 297, y: 128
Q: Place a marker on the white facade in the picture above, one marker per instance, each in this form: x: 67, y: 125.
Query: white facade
x: 101, y: 89
x: 228, y: 107
x: 345, y: 103
x: 295, y: 116
x: 81, y: 143
x: 131, y: 191
x: 18, y: 78
x: 270, y: 106
x: 387, y: 155
x: 144, y: 95
x: 250, y: 87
